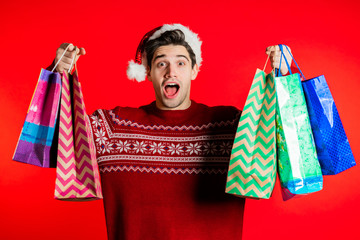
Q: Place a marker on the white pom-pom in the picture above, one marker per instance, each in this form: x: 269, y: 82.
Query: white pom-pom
x: 136, y: 71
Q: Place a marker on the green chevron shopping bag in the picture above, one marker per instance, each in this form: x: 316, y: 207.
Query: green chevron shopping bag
x: 298, y: 165
x: 252, y: 168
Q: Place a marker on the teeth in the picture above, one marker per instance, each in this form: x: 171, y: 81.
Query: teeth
x: 172, y: 85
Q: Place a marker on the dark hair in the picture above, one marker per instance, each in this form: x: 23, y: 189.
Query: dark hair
x: 173, y: 37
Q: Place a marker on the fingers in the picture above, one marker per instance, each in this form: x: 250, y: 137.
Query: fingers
x: 270, y: 49
x: 82, y: 51
x: 64, y: 59
x: 64, y: 45
x: 275, y: 55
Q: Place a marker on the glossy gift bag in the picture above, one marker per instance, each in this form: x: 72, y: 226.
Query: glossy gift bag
x: 252, y: 168
x: 35, y: 145
x: 332, y: 145
x: 298, y: 165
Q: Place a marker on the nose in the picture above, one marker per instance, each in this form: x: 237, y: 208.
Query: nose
x: 171, y: 71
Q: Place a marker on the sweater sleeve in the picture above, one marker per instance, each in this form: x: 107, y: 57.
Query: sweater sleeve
x: 98, y: 132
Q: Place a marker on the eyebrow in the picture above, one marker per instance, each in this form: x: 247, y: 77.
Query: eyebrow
x: 163, y: 55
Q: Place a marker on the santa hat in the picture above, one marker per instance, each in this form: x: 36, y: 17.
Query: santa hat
x: 137, y: 69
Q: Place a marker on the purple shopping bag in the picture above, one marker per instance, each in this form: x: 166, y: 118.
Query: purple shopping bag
x: 35, y: 145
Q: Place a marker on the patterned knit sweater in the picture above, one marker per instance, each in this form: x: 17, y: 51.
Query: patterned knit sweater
x: 163, y: 173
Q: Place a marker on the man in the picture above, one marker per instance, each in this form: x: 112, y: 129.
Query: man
x: 163, y: 166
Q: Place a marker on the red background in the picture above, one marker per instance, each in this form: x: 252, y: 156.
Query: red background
x: 323, y: 36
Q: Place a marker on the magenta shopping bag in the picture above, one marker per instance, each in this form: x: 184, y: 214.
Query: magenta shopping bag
x: 35, y: 145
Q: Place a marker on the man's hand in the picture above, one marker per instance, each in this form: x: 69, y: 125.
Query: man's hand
x: 66, y: 60
x: 275, y: 53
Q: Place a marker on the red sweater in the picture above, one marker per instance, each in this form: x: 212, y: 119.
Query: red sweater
x: 163, y: 173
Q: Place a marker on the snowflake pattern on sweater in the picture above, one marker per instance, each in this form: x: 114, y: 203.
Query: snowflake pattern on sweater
x: 121, y: 141
x: 163, y: 173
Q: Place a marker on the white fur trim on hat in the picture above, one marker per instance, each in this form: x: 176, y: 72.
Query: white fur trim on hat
x: 136, y: 71
x: 190, y: 37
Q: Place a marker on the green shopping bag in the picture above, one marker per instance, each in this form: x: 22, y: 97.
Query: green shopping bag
x: 252, y: 167
x: 298, y: 165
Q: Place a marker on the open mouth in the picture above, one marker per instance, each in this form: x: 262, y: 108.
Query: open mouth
x: 171, y: 89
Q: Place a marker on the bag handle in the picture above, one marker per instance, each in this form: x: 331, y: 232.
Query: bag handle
x: 73, y: 61
x: 266, y: 62
x: 62, y: 55
x: 287, y: 63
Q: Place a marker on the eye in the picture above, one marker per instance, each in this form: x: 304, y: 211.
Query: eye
x: 181, y: 63
x: 161, y: 64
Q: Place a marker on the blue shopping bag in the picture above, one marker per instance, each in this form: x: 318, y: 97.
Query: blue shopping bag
x: 332, y: 144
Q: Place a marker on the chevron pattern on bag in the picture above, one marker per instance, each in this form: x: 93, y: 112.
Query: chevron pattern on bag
x: 77, y: 171
x: 252, y: 167
x: 85, y: 154
x: 65, y: 170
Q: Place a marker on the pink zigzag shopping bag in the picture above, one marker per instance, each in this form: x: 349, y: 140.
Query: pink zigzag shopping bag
x: 77, y: 173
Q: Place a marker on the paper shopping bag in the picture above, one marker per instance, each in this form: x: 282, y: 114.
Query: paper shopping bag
x: 77, y: 174
x: 35, y: 145
x: 332, y: 145
x: 252, y: 167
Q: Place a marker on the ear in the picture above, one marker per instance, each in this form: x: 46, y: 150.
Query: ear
x: 148, y: 73
x: 194, y: 72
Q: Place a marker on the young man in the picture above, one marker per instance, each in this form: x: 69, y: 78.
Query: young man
x: 163, y: 166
